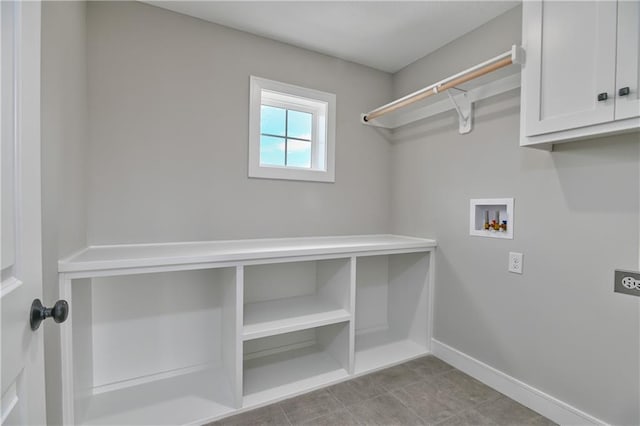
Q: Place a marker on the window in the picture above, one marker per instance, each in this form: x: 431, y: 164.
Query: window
x: 291, y: 132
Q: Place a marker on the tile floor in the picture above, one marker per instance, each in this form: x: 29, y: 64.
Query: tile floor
x: 425, y: 391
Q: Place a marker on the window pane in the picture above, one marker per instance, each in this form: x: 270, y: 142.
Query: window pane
x: 271, y: 151
x: 298, y: 153
x: 299, y: 125
x: 272, y: 120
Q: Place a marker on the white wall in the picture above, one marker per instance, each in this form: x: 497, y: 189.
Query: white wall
x: 168, y: 99
x: 64, y: 149
x: 558, y: 327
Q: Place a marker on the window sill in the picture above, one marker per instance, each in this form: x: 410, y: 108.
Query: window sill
x: 292, y: 174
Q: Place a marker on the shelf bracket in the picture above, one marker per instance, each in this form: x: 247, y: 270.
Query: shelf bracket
x: 464, y: 108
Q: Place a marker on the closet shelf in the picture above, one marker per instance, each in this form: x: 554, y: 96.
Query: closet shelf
x: 280, y: 316
x: 461, y: 100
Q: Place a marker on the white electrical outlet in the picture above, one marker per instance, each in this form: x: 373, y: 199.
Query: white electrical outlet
x: 515, y: 262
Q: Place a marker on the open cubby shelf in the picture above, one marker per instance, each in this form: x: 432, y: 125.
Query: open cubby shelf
x: 201, y: 393
x: 188, y: 333
x: 307, y: 360
x: 262, y: 319
x: 380, y: 348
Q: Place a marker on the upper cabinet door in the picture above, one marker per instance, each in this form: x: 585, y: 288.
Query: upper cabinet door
x: 628, y: 64
x: 570, y: 64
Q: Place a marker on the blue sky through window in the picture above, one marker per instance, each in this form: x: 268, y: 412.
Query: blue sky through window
x: 299, y: 125
x: 272, y: 120
x: 270, y: 154
x: 277, y: 127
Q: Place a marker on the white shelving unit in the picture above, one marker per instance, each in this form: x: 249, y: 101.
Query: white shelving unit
x: 186, y: 333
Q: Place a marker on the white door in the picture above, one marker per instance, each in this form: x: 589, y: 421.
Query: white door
x: 570, y: 64
x: 628, y: 56
x: 22, y: 363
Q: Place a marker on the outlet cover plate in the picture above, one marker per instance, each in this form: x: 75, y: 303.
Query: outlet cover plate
x: 515, y: 262
x: 627, y: 282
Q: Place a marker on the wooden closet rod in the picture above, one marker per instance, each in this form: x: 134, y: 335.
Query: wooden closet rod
x: 500, y: 61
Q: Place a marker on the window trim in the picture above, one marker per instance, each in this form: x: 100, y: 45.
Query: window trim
x: 323, y: 125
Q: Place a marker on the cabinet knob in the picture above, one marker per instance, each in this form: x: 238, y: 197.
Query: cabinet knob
x: 624, y: 91
x: 603, y: 96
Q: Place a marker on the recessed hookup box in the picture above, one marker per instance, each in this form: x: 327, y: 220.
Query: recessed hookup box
x: 627, y: 282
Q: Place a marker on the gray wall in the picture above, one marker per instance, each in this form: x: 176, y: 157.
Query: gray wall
x: 558, y: 327
x: 64, y: 149
x: 166, y: 159
x: 168, y: 99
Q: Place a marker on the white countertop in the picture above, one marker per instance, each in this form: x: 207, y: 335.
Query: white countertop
x: 108, y: 257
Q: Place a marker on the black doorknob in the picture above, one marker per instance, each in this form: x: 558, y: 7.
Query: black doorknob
x: 603, y: 96
x: 624, y: 91
x: 39, y: 313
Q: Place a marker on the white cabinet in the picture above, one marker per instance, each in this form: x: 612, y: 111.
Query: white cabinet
x: 570, y: 59
x: 628, y: 60
x: 187, y: 333
x: 578, y: 56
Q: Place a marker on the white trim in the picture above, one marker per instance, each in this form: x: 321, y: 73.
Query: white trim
x: 9, y: 402
x: 431, y: 291
x: 324, y: 129
x: 9, y: 285
x: 544, y: 141
x: 539, y: 401
x: 66, y: 355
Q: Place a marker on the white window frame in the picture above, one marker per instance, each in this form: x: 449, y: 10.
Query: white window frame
x: 321, y: 105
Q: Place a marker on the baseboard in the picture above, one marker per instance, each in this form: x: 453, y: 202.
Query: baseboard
x: 550, y: 407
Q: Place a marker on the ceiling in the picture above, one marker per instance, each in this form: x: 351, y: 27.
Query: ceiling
x: 386, y: 35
